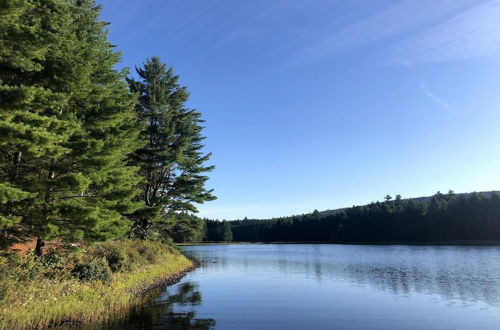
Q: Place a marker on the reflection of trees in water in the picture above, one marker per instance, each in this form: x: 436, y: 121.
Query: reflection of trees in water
x: 404, y: 280
x: 455, y: 273
x: 174, y: 309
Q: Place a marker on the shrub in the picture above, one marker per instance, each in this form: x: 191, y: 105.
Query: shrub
x: 52, y: 260
x: 117, y: 259
x: 128, y: 255
x: 96, y: 270
x: 150, y: 251
x: 113, y: 253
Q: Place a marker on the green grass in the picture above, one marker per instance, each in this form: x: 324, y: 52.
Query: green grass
x: 43, y: 301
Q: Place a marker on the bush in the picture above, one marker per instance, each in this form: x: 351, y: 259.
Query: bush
x: 114, y: 254
x: 52, y: 260
x: 150, y: 251
x: 118, y: 256
x: 18, y: 267
x: 117, y: 259
x: 128, y: 255
x: 96, y: 270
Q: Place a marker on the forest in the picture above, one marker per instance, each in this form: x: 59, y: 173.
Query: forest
x: 442, y: 218
x: 90, y: 153
x: 100, y: 169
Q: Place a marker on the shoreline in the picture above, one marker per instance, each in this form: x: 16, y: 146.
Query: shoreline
x: 138, y: 293
x: 46, y: 303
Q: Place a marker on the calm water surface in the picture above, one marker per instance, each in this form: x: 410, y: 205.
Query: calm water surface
x: 331, y: 287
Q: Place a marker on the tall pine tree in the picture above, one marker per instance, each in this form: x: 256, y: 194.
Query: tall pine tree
x: 171, y: 161
x: 66, y: 125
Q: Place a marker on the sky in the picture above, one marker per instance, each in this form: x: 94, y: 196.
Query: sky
x: 322, y: 104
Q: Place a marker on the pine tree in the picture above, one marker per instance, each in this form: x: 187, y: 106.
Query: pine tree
x: 66, y: 125
x: 171, y: 161
x: 187, y: 228
x: 227, y: 234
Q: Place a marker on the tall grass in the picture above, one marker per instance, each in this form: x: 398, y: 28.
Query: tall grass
x: 43, y: 301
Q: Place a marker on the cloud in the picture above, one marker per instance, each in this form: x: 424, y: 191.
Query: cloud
x: 419, y: 31
x: 378, y: 25
x: 310, y: 30
x: 436, y: 99
x: 472, y: 33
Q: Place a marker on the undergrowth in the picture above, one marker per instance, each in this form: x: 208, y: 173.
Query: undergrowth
x: 94, y: 284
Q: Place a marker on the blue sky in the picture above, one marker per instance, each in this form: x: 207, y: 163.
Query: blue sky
x: 320, y: 104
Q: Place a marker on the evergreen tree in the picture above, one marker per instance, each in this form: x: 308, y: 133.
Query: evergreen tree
x: 218, y: 231
x: 66, y: 125
x: 187, y: 228
x: 171, y: 160
x: 227, y: 234
x: 441, y: 218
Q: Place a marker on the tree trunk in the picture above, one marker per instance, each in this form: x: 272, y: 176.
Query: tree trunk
x: 39, y: 245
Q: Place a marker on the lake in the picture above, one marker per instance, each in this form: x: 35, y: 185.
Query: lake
x: 320, y: 286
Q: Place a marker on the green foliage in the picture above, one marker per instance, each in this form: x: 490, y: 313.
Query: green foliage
x: 187, y: 228
x: 35, y: 294
x: 4, y: 280
x: 119, y: 260
x: 170, y: 160
x: 96, y: 270
x: 67, y: 124
x: 84, y: 159
x: 128, y: 255
x: 218, y: 231
x: 227, y: 234
x: 442, y: 218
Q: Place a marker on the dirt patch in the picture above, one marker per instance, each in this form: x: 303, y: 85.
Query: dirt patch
x: 29, y: 245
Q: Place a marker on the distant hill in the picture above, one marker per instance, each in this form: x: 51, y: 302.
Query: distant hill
x: 326, y: 213
x: 468, y: 218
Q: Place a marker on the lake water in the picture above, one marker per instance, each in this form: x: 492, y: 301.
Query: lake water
x: 303, y: 286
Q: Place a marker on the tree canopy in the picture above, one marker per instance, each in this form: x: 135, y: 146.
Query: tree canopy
x: 82, y: 158
x: 170, y: 160
x: 443, y: 218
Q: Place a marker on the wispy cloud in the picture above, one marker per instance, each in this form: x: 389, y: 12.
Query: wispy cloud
x: 311, y: 30
x: 431, y: 95
x: 380, y: 24
x: 421, y: 31
x: 424, y: 87
x: 472, y: 33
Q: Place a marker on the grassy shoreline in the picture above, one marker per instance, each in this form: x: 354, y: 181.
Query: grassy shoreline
x: 46, y: 302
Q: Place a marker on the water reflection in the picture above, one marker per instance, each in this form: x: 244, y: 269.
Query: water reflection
x: 464, y: 274
x: 330, y: 286
x: 174, y: 309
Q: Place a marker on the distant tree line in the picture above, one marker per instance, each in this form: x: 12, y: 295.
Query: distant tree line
x: 87, y: 152
x: 443, y: 218
x: 218, y: 231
